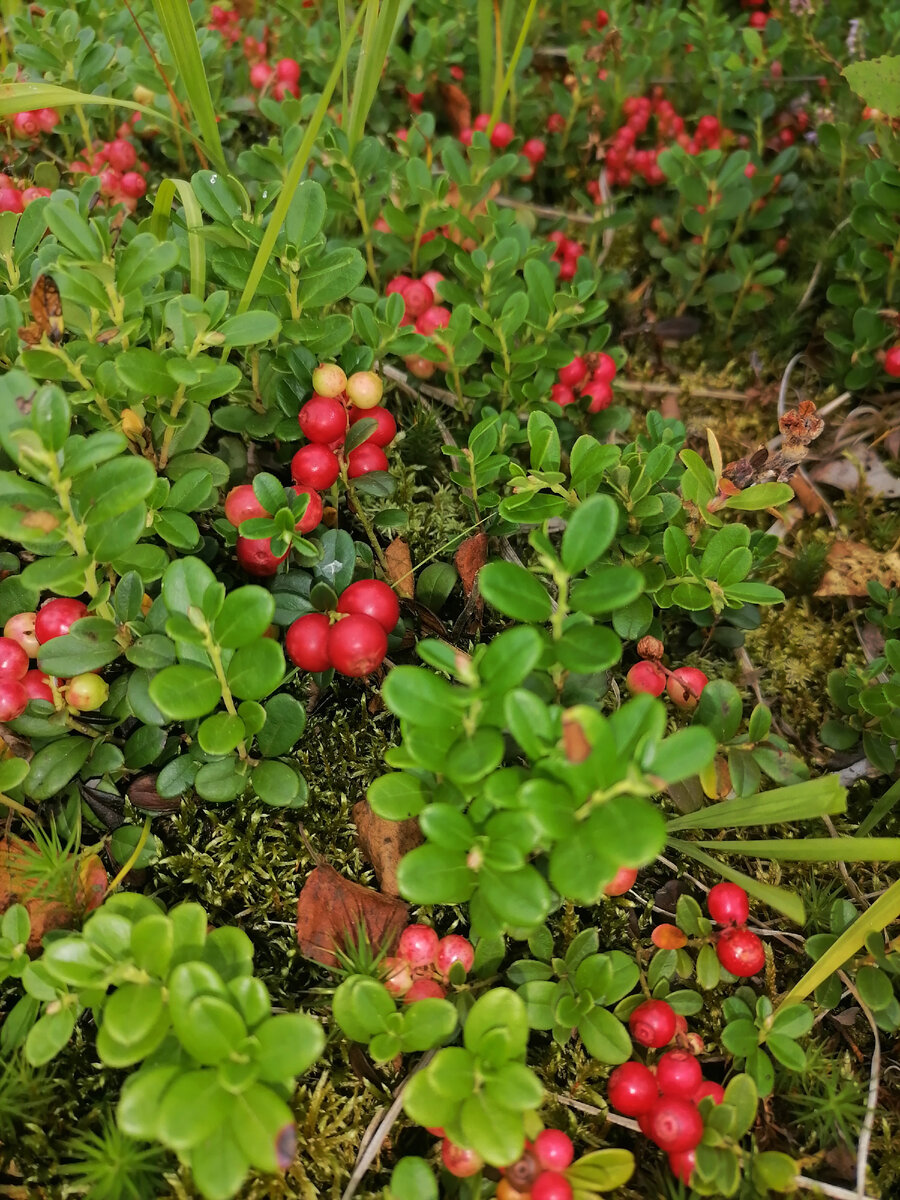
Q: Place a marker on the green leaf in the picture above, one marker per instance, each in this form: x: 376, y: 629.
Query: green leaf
x: 433, y: 875
x: 795, y: 1021
x: 132, y: 1011
x: 278, y: 784
x: 193, y: 1107
x: 285, y: 722
x: 426, y: 1024
x: 434, y: 585
x: 742, y: 1096
x: 218, y: 1166
x: 362, y: 1006
x: 139, y: 1100
x: 600, y: 1171
x: 16, y: 925
x: 514, y: 592
x: 589, y: 533
x: 48, y: 1035
x: 221, y: 733
x: 773, y: 1171
x: 607, y: 589
x: 287, y: 1045
x: 421, y: 697
x: 605, y: 1037
x: 256, y: 669
x: 245, y: 616
x: 249, y: 328
x: 412, y: 1177
x: 54, y: 765
x: 185, y: 692
x: 877, y: 80
x: 208, y: 1027
x: 543, y: 439
x: 720, y: 709
x: 683, y: 754
x: 114, y: 487
x: 396, y: 796
x: 498, y: 1012
x: 497, y: 1134
x: 185, y: 584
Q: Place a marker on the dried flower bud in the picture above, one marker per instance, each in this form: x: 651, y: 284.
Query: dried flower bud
x: 651, y: 647
x: 523, y: 1172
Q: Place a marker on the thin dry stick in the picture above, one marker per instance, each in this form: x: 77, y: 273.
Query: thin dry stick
x: 545, y: 210
x: 636, y: 385
x: 865, y: 1137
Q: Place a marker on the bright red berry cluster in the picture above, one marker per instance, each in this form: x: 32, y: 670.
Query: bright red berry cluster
x: 14, y: 198
x: 122, y: 173
x: 738, y: 949
x: 419, y: 969
x: 423, y: 313
x: 31, y: 124
x: 684, y: 685
x: 566, y: 252
x: 587, y: 376
x: 283, y: 79
x: 227, y: 22
x: 353, y: 639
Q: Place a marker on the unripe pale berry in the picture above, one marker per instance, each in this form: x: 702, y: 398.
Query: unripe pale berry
x: 740, y: 952
x: 86, y: 692
x: 685, y: 686
x: 653, y: 1023
x: 364, y: 389
x: 621, y: 882
x: 418, y: 945
x: 728, y: 904
x: 329, y: 380
x: 398, y: 979
x: 422, y: 368
x: 459, y: 1161
x: 646, y: 677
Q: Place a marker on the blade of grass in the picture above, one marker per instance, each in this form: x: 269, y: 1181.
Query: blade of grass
x: 345, y: 93
x: 500, y: 93
x: 880, y: 809
x: 178, y: 27
x: 193, y: 219
x: 378, y: 33
x: 847, y: 849
x: 797, y: 802
x: 485, y: 44
x: 298, y: 166
x: 778, y: 898
x: 883, y: 912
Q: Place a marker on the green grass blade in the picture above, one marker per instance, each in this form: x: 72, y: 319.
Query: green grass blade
x: 797, y: 802
x: 783, y: 901
x: 885, y: 910
x: 846, y: 849
x: 485, y: 43
x: 193, y: 219
x: 178, y: 27
x: 880, y: 809
x: 297, y: 170
x: 378, y: 33
x: 501, y: 92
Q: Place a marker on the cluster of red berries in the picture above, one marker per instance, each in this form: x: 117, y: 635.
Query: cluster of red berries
x: 32, y: 123
x: 566, y: 252
x: 284, y: 77
x: 588, y: 375
x: 117, y: 164
x: 738, y: 949
x: 501, y: 135
x: 353, y: 639
x: 423, y: 313
x: 227, y: 22
x: 14, y: 198
x: 684, y: 685
x: 539, y: 1174
x: 23, y: 636
x: 423, y: 961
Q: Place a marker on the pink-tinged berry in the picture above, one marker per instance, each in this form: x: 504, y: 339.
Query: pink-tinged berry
x: 312, y: 517
x: 256, y: 557
x: 728, y: 904
x: 86, y: 692
x: 398, y: 284
x: 632, y: 1089
x: 322, y: 419
x: 454, y: 949
x: 37, y: 686
x: 13, y: 659
x: 481, y: 122
x: 48, y: 119
x: 554, y: 1149
x: 556, y: 123
x: 646, y: 677
x: 673, y: 1124
x: 356, y: 645
x: 434, y: 279
x: 685, y: 686
x: 573, y: 373
x: 329, y: 380
x: 306, y: 642
x: 364, y: 389
x: 418, y: 297
x: 315, y: 466
x: 287, y: 70
x: 551, y: 1186
x: 710, y: 1088
x: 740, y: 952
x: 535, y: 151
x: 20, y: 628
x: 892, y: 362
x: 682, y: 1164
x: 134, y: 185
x: 398, y: 978
x: 376, y: 600
x: 425, y: 989
x: 432, y: 319
x: 11, y: 200
x: 421, y: 368
x: 260, y: 74
x: 678, y: 1073
x: 55, y: 618
x: 418, y: 945
x: 385, y: 426
x: 621, y: 882
x: 26, y: 124
x: 459, y: 1161
x: 121, y: 154
x: 13, y: 699
x: 30, y: 194
x: 653, y: 1023
x: 241, y: 504
x: 365, y: 459
x: 501, y: 135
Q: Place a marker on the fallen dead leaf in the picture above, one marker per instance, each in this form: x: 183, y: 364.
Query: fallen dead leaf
x: 851, y: 566
x: 330, y: 910
x: 844, y: 473
x: 470, y: 558
x: 56, y: 909
x: 384, y: 843
x: 457, y: 107
x: 400, y: 568
x: 808, y: 496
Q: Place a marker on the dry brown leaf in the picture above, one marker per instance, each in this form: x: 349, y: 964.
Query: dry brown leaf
x: 851, y: 566
x: 384, y: 843
x: 59, y: 908
x: 844, y: 473
x: 46, y: 308
x: 400, y: 568
x: 457, y: 107
x: 470, y: 558
x: 808, y: 496
x: 330, y: 910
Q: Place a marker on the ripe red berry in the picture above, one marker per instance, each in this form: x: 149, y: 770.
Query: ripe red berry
x: 386, y: 427
x: 685, y: 686
x: 535, y: 151
x: 621, y: 882
x: 55, y: 618
x: 418, y: 297
x: 556, y: 123
x: 554, y: 1149
x: 241, y: 504
x: 892, y: 362
x: 13, y: 659
x: 364, y: 459
x: 646, y: 677
x: 373, y: 598
x: 287, y: 70
x: 323, y: 419
x: 20, y: 628
x: 454, y: 949
x: 708, y: 1087
x: 13, y: 699
x: 11, y: 200
x: 605, y: 368
x: 26, y: 124
x: 632, y: 1089
x: 758, y: 20
x: 602, y: 18
x: 356, y: 645
x: 481, y: 122
x: 30, y: 194
x: 121, y: 154
x: 421, y: 367
x: 740, y: 952
x: 134, y: 185
x: 551, y: 1186
x: 260, y: 74
x: 398, y: 284
x: 653, y: 1023
x: 599, y: 393
x: 37, y: 686
x: 315, y: 466
x: 562, y: 395
x: 501, y: 135
x: 673, y: 1124
x: 256, y: 557
x: 459, y: 1161
x: 573, y: 373
x: 432, y: 319
x: 306, y: 642
x: 682, y: 1164
x: 418, y: 945
x: 314, y: 509
x: 678, y: 1073
x: 328, y: 380
x: 47, y: 118
x: 424, y: 989
x: 728, y: 904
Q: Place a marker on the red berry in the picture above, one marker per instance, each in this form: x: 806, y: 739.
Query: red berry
x: 682, y: 1164
x: 632, y: 1089
x: 460, y: 1162
x: 740, y: 952
x: 11, y: 200
x: 256, y: 557
x: 573, y: 373
x: 678, y: 1073
x: 605, y: 368
x: 287, y: 70
x: 315, y: 466
x: 55, y: 618
x: 20, y: 628
x: 26, y: 124
x: 556, y: 123
x: 47, y: 118
x: 685, y: 686
x: 728, y: 904
x: 892, y: 362
x: 600, y: 394
x: 386, y: 427
x: 13, y: 659
x: 758, y: 20
x: 356, y: 645
x: 364, y: 459
x: 602, y: 18
x: 418, y: 297
x: 433, y: 318
x: 37, y: 686
x: 621, y: 882
x: 398, y: 284
x: 121, y: 154
x: 110, y: 182
x: 673, y: 1124
x: 646, y: 677
x: 241, y: 504
x: 653, y: 1023
x: 306, y: 642
x: 260, y: 74
x: 551, y: 1186
x: 314, y: 509
x: 418, y: 945
x: 434, y: 279
x: 502, y: 135
x: 562, y: 395
x: 422, y: 368
x: 323, y: 419
x: 708, y: 1088
x: 13, y: 699
x: 373, y: 598
x: 134, y: 185
x: 481, y: 122
x: 454, y: 949
x: 554, y: 1149
x: 425, y: 989
x: 31, y: 194
x: 535, y: 151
